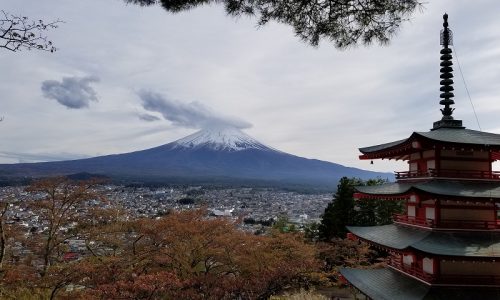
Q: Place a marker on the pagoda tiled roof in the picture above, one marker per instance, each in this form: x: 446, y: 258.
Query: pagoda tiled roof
x: 461, y: 244
x: 392, y: 236
x: 444, y: 135
x: 462, y: 136
x: 388, y: 284
x: 468, y: 244
x: 383, y: 146
x: 386, y: 189
x: 455, y: 188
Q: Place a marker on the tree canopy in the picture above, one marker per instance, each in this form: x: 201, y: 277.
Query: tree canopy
x: 344, y: 22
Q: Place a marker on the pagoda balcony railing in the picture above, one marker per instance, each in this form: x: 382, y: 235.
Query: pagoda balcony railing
x: 418, y: 272
x: 447, y: 224
x: 412, y: 270
x: 469, y: 174
x: 400, y: 218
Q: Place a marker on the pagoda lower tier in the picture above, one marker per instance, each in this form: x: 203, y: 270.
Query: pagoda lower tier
x: 438, y: 258
x: 427, y: 264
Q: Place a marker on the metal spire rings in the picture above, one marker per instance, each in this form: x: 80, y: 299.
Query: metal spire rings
x: 446, y: 82
x: 446, y: 71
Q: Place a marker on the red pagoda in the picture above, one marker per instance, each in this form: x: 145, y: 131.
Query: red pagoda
x: 447, y: 243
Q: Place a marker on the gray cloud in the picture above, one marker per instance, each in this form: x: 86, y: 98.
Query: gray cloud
x: 148, y: 117
x: 40, y: 157
x: 190, y: 115
x: 72, y: 92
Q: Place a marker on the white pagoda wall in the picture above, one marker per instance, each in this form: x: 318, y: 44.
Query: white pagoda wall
x: 428, y: 265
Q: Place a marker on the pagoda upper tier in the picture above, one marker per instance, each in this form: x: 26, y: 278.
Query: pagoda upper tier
x: 460, y: 139
x: 448, y: 150
x: 443, y: 152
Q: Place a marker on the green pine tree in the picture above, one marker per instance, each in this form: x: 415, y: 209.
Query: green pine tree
x: 344, y: 211
x: 340, y: 211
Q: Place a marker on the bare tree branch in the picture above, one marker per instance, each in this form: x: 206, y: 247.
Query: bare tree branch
x: 19, y: 33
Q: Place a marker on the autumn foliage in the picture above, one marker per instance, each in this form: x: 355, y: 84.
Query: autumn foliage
x: 183, y: 255
x: 81, y: 246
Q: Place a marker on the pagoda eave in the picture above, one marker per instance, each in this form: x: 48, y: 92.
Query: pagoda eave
x: 398, y: 197
x: 468, y: 190
x: 390, y: 156
x: 400, y: 150
x: 443, y: 138
x: 437, y: 243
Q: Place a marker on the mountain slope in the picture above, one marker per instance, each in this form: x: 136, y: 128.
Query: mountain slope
x: 211, y: 154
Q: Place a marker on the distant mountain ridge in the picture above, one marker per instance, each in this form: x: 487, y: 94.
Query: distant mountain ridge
x: 213, y: 154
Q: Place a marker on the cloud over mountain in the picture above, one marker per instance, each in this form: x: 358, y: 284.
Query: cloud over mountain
x: 72, y: 92
x: 148, y: 117
x: 190, y: 115
x: 24, y: 157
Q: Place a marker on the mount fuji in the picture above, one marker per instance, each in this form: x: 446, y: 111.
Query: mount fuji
x: 215, y: 155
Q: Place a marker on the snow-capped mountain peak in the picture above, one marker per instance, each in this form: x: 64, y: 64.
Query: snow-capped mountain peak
x: 220, y: 138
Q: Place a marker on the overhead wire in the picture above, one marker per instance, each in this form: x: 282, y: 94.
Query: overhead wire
x: 466, y: 88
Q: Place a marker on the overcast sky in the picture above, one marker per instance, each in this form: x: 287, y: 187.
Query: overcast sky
x: 100, y: 92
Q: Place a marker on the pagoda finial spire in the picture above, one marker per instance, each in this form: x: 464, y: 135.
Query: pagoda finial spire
x: 446, y: 79
x: 446, y: 71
